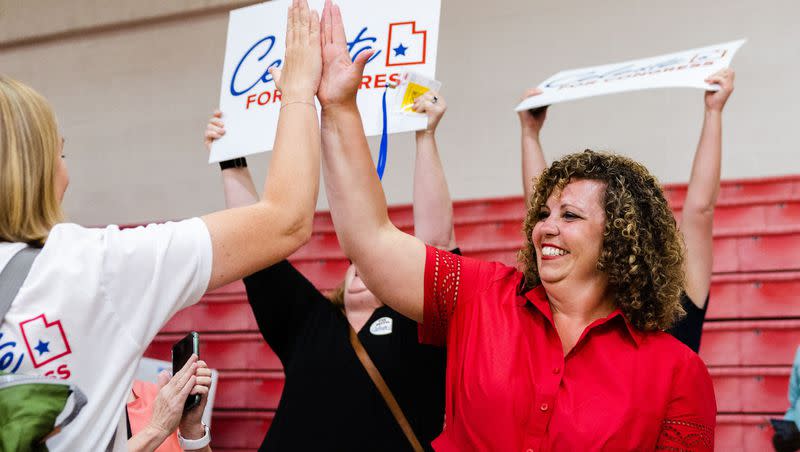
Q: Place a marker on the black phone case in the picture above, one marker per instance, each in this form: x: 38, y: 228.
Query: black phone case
x: 181, y: 351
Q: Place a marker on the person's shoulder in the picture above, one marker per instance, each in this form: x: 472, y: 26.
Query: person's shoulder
x: 68, y: 240
x: 68, y: 232
x: 493, y: 271
x: 663, y: 347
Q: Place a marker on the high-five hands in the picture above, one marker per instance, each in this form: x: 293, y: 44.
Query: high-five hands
x: 299, y: 79
x: 341, y: 76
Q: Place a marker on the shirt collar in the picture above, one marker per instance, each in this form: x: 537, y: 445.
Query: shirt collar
x: 538, y: 298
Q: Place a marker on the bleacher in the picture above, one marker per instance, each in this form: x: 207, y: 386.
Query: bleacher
x: 752, y: 331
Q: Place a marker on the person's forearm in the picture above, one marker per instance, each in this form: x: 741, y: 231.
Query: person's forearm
x: 247, y: 239
x: 237, y: 183
x: 358, y: 209
x: 433, y: 207
x: 293, y: 178
x: 147, y: 440
x: 355, y: 195
x: 533, y: 162
x: 703, y: 189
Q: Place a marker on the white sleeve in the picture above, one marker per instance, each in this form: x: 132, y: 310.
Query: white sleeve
x: 152, y: 272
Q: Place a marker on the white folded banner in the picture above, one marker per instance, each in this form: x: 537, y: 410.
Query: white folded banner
x: 404, y: 35
x: 688, y: 68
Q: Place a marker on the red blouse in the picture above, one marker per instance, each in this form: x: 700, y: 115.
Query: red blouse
x: 510, y: 387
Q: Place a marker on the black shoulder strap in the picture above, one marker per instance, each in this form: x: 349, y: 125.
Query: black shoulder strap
x: 13, y: 275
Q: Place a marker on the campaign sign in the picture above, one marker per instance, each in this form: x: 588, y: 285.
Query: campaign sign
x: 404, y: 36
x: 682, y: 69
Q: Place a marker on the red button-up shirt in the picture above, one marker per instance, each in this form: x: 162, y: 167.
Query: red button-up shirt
x: 510, y: 387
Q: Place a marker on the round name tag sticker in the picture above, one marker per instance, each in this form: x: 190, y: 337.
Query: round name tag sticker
x: 381, y: 327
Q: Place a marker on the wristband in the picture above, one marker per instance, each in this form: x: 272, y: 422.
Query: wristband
x: 239, y: 162
x: 194, y: 444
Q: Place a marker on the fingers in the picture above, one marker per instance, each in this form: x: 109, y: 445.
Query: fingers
x: 186, y: 372
x: 276, y: 76
x: 531, y: 92
x: 162, y: 379
x: 338, y: 34
x: 304, y: 18
x: 313, y: 28
x: 420, y: 106
x: 722, y: 77
x: 361, y: 60
x: 200, y: 389
x: 202, y: 379
x: 214, y: 134
x: 290, y: 26
x: 327, y: 32
x: 187, y: 388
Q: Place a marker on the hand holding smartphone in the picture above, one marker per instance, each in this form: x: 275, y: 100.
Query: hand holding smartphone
x: 181, y: 352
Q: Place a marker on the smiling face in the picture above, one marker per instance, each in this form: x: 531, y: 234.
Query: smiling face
x: 568, y: 236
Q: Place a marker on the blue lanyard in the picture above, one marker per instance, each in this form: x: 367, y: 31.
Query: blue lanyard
x: 384, y: 140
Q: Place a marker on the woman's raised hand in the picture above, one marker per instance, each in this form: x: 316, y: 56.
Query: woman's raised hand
x: 341, y: 76
x: 532, y: 120
x: 433, y: 105
x: 299, y: 78
x: 214, y: 129
x: 715, y: 100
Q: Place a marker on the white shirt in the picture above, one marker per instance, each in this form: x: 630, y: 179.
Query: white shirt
x: 93, y: 301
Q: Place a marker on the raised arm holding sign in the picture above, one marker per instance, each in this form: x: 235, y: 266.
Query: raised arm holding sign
x: 688, y: 69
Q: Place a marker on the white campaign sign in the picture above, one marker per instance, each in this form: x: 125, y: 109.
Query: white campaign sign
x: 403, y: 34
x: 682, y: 69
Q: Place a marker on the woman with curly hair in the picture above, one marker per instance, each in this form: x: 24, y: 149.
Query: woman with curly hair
x: 567, y: 355
x: 697, y: 216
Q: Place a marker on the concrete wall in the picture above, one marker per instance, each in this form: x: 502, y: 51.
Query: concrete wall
x: 133, y: 83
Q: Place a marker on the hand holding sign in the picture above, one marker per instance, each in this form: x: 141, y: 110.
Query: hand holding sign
x: 341, y: 76
x: 532, y: 120
x: 433, y: 105
x: 715, y: 100
x: 300, y: 77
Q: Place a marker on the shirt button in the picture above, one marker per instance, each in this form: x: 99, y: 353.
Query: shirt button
x: 544, y: 407
x: 529, y: 450
x: 556, y: 370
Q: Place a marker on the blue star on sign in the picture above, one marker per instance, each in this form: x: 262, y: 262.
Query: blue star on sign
x: 400, y: 50
x: 43, y: 347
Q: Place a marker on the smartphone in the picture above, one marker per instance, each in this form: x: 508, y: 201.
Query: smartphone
x: 181, y: 352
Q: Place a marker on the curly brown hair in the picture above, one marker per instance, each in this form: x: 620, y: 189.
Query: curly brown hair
x: 642, y: 250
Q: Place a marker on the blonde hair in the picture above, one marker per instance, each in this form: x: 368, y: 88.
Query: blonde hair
x: 29, y: 205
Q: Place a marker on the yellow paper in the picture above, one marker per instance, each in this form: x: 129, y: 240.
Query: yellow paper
x: 413, y: 91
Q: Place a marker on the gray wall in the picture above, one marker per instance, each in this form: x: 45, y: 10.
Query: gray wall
x: 133, y: 83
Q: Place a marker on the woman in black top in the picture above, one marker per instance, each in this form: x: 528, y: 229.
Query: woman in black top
x: 328, y: 400
x: 698, y: 208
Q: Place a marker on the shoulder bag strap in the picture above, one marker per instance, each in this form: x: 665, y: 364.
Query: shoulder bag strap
x: 13, y: 275
x: 388, y: 397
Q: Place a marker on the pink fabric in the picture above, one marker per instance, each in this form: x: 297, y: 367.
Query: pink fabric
x: 141, y: 410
